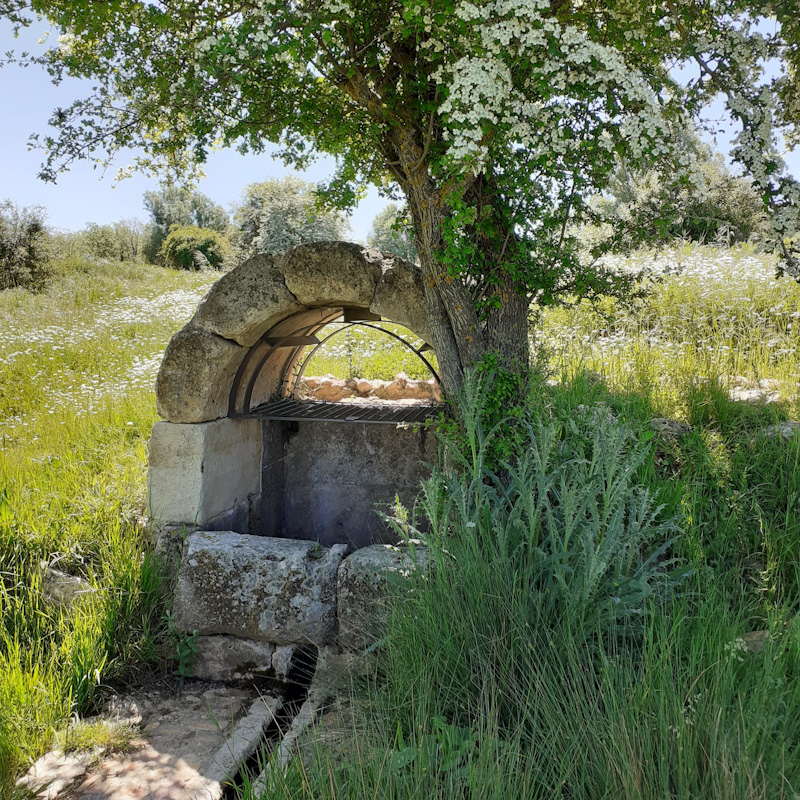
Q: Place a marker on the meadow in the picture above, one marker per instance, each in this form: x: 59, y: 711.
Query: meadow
x: 488, y: 687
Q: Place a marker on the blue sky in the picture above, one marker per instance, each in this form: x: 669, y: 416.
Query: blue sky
x: 84, y: 195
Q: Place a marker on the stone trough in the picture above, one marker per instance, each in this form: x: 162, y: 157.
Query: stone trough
x: 271, y: 502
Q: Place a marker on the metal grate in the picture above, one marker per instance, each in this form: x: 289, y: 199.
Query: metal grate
x: 380, y: 413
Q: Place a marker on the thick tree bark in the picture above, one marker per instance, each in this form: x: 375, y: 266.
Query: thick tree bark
x: 460, y: 337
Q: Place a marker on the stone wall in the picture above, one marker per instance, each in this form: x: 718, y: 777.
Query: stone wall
x: 254, y: 602
x: 319, y: 481
x: 338, y: 475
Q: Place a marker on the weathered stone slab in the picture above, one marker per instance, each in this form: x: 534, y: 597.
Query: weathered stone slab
x: 247, y: 301
x: 196, y: 375
x: 366, y: 582
x: 229, y: 658
x: 280, y: 591
x: 199, y: 472
x: 400, y: 297
x: 333, y: 273
x: 336, y: 476
x: 192, y: 744
x: 245, y: 739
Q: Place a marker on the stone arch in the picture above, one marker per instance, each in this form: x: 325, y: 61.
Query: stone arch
x: 277, y: 297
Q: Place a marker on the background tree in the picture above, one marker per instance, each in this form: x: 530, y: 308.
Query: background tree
x: 715, y: 206
x: 279, y: 213
x: 498, y: 120
x: 24, y: 247
x: 391, y: 231
x: 175, y: 205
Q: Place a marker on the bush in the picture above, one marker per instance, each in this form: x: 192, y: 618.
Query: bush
x: 23, y: 247
x: 194, y: 248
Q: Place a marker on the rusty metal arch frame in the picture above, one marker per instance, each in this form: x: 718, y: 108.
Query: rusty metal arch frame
x: 261, y: 351
x: 345, y: 325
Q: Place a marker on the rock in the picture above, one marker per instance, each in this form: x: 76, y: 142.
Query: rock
x: 401, y: 379
x: 54, y: 773
x: 364, y: 387
x: 61, y: 590
x: 379, y: 389
x: 400, y: 296
x: 770, y: 384
x: 786, y: 429
x: 737, y: 382
x: 196, y: 375
x: 229, y: 658
x: 204, y: 472
x: 754, y: 396
x: 419, y: 390
x: 365, y: 583
x: 395, y: 390
x: 670, y: 427
x: 333, y: 273
x: 244, y: 740
x: 247, y: 301
x: 755, y: 641
x: 282, y: 660
x: 281, y: 591
x: 333, y: 391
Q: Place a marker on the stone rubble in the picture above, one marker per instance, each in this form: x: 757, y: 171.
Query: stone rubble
x: 401, y: 388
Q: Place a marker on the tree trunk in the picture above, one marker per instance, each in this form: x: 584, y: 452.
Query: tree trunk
x: 460, y: 338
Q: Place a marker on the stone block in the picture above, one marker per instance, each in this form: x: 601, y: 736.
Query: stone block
x: 247, y: 301
x: 400, y: 297
x: 333, y: 273
x: 195, y: 377
x: 228, y: 658
x: 279, y: 591
x: 366, y: 583
x: 199, y: 472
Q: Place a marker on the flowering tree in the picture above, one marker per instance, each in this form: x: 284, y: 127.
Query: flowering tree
x: 497, y: 119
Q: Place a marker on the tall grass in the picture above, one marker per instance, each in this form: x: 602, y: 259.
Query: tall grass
x: 566, y: 643
x: 711, y: 313
x: 77, y: 365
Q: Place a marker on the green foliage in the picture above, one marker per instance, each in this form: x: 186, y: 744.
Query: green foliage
x: 185, y: 650
x: 24, y: 247
x: 497, y: 122
x: 392, y: 231
x: 529, y: 661
x: 175, y: 205
x: 121, y: 241
x: 193, y: 248
x: 585, y: 540
x: 280, y: 213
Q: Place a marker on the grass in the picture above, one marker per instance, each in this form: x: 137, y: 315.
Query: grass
x: 77, y: 365
x: 484, y: 687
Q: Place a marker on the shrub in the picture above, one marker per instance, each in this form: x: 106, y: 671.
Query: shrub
x: 194, y: 248
x: 23, y: 247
